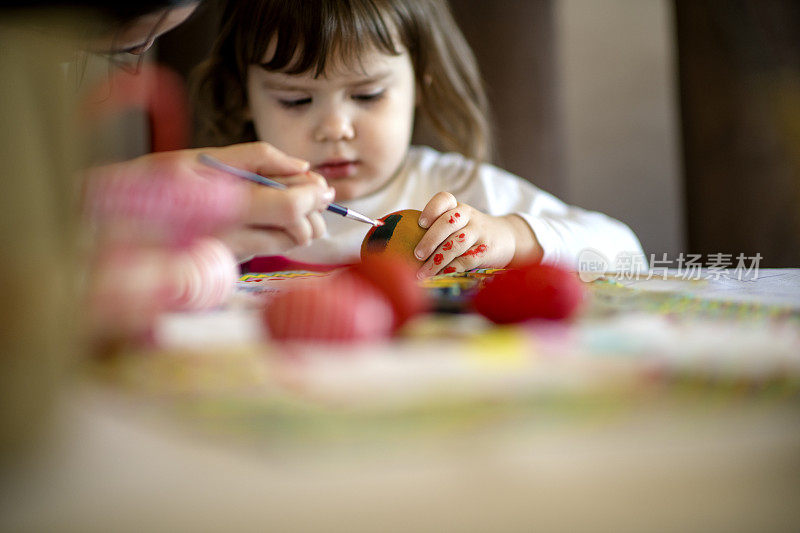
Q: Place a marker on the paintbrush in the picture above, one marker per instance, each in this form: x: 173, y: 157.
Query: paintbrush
x: 252, y: 176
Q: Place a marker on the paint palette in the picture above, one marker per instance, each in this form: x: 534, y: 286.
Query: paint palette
x: 453, y: 293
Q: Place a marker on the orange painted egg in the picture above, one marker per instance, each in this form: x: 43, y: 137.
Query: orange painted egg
x: 397, y: 237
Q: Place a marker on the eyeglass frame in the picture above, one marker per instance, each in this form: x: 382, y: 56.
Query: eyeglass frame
x: 151, y: 37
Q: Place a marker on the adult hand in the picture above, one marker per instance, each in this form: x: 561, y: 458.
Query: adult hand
x: 172, y: 194
x: 152, y: 217
x: 275, y: 220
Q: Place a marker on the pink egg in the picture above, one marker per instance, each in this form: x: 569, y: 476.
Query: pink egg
x: 342, y: 308
x: 203, y: 275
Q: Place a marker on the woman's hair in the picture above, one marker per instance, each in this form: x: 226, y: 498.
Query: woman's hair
x: 114, y: 12
x: 309, y: 33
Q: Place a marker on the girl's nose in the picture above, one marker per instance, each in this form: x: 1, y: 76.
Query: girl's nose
x: 334, y: 126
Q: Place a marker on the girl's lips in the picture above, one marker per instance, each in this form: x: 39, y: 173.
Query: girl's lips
x: 337, y: 169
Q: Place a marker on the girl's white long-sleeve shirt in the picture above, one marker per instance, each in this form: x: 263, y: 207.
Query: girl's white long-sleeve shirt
x: 564, y: 232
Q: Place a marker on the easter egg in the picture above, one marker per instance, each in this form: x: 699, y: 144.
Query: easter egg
x: 397, y: 237
x: 531, y: 291
x: 397, y: 281
x: 342, y: 308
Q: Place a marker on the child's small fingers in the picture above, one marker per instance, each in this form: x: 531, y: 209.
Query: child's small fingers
x: 452, y: 268
x: 249, y: 241
x: 284, y: 208
x: 441, y: 202
x: 318, y: 227
x: 473, y: 257
x: 460, y: 264
x: 445, y: 253
x: 449, y: 222
x: 302, y: 232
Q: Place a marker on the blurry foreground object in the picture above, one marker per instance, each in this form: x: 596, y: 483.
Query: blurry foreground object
x: 132, y: 285
x: 370, y: 301
x: 154, y: 89
x: 152, y: 218
x: 644, y: 414
x: 531, y: 291
x: 398, y: 282
x: 40, y: 152
x: 342, y: 308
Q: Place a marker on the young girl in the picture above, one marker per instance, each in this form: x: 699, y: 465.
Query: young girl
x: 339, y: 83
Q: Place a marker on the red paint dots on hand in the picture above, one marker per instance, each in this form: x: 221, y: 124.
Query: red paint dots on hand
x: 461, y: 237
x: 458, y: 215
x: 447, y: 246
x: 452, y: 220
x: 475, y: 251
x: 437, y: 259
x: 449, y: 270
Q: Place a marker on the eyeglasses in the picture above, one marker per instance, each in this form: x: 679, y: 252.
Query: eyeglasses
x: 130, y: 62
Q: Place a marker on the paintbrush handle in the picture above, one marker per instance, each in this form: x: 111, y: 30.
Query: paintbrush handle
x: 246, y: 174
x: 257, y: 178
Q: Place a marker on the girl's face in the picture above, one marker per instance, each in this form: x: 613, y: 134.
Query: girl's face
x: 353, y: 124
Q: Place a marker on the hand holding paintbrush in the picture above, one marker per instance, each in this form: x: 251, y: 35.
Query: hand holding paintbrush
x: 257, y: 178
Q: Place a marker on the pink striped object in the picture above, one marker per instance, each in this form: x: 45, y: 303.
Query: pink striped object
x: 157, y: 202
x: 340, y: 308
x: 204, y: 275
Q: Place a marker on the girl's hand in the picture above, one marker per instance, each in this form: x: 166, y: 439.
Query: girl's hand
x: 460, y: 237
x: 281, y: 219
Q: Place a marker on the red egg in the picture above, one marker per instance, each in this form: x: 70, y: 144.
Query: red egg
x: 397, y: 280
x: 531, y: 291
x: 342, y: 308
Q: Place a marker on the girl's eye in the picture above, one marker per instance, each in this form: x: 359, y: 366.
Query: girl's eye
x: 368, y: 97
x: 294, y: 103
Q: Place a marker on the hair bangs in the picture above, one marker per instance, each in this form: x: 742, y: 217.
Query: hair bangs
x: 327, y: 33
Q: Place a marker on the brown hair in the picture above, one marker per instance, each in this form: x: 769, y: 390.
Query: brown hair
x: 452, y: 97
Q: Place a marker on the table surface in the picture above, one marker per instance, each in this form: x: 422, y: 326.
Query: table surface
x: 668, y: 405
